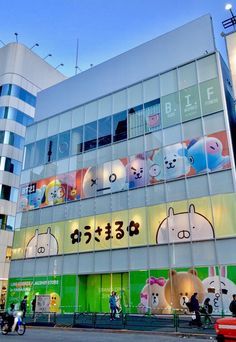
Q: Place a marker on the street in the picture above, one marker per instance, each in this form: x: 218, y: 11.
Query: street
x: 57, y: 334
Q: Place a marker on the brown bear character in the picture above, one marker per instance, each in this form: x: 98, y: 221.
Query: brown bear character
x: 180, y: 287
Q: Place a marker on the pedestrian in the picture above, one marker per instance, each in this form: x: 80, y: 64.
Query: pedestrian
x: 207, y: 311
x: 112, y: 302
x: 195, y: 307
x: 232, y: 306
x: 23, y: 306
x: 33, y: 306
x: 118, y: 306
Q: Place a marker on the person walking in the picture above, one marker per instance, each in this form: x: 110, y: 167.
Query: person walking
x: 112, y: 302
x: 33, y: 306
x: 195, y: 307
x: 207, y: 311
x: 232, y: 306
x: 23, y: 306
x: 118, y: 306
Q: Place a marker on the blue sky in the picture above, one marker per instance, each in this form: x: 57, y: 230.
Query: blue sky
x: 105, y: 28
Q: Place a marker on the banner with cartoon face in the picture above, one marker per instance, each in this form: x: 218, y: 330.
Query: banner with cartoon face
x: 197, y: 219
x: 183, y: 159
x: 155, y: 291
x: 168, y: 291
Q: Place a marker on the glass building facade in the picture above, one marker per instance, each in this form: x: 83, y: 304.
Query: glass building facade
x: 133, y: 192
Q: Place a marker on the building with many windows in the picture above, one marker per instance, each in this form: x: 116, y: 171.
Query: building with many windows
x: 22, y: 75
x: 128, y: 183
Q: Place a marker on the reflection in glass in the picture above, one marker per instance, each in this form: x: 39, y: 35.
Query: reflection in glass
x: 7, y: 222
x: 120, y: 126
x: 51, y: 149
x: 39, y: 155
x: 10, y: 165
x: 136, y: 121
x: 64, y: 145
x: 77, y: 140
x: 104, y: 131
x: 20, y: 93
x: 90, y: 136
x: 14, y: 114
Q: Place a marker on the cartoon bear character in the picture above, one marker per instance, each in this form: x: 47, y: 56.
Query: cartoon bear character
x: 205, y: 154
x: 35, y: 198
x: 41, y: 245
x: 175, y: 163
x: 184, y: 227
x: 54, y: 193
x: 181, y: 286
x: 219, y: 289
x: 104, y: 179
x: 152, y: 297
x: 55, y: 302
x: 137, y: 174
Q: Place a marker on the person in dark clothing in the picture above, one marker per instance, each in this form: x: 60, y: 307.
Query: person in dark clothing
x: 11, y: 316
x: 23, y: 306
x: 195, y: 308
x: 232, y: 306
x: 112, y: 302
x: 207, y: 311
x: 33, y: 306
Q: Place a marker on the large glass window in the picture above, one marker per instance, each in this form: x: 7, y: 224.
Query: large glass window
x: 20, y: 93
x: 136, y: 121
x: 104, y: 131
x: 77, y: 140
x: 90, y: 136
x: 14, y: 114
x: 10, y: 165
x: 207, y: 68
x: 11, y: 138
x: 8, y: 193
x: 187, y: 75
x: 29, y: 156
x: 64, y: 145
x: 51, y: 149
x: 7, y: 223
x: 120, y: 126
x: 39, y: 152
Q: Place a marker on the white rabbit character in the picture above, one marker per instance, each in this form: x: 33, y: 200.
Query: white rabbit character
x: 219, y: 289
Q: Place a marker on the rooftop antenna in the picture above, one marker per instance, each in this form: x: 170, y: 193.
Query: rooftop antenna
x: 2, y: 42
x: 48, y: 55
x: 76, y: 57
x: 36, y: 44
x: 16, y: 34
x: 59, y: 65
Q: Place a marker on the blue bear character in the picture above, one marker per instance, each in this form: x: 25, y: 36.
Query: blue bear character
x: 137, y: 171
x: 35, y: 198
x: 205, y: 154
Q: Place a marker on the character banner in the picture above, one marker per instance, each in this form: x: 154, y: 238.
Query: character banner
x: 197, y: 219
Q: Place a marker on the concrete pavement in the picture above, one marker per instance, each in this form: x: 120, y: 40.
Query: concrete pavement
x: 88, y: 335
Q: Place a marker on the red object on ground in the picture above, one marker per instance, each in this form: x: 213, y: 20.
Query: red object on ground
x: 226, y: 329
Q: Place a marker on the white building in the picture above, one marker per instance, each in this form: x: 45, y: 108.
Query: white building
x: 129, y: 182
x: 22, y: 75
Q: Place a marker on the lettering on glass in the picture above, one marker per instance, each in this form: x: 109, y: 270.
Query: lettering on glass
x: 116, y: 232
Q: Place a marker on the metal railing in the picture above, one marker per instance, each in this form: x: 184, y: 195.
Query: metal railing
x: 176, y: 323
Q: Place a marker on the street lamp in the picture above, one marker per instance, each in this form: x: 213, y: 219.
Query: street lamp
x: 36, y: 44
x: 48, y: 55
x: 59, y: 65
x: 231, y: 21
x: 16, y: 34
